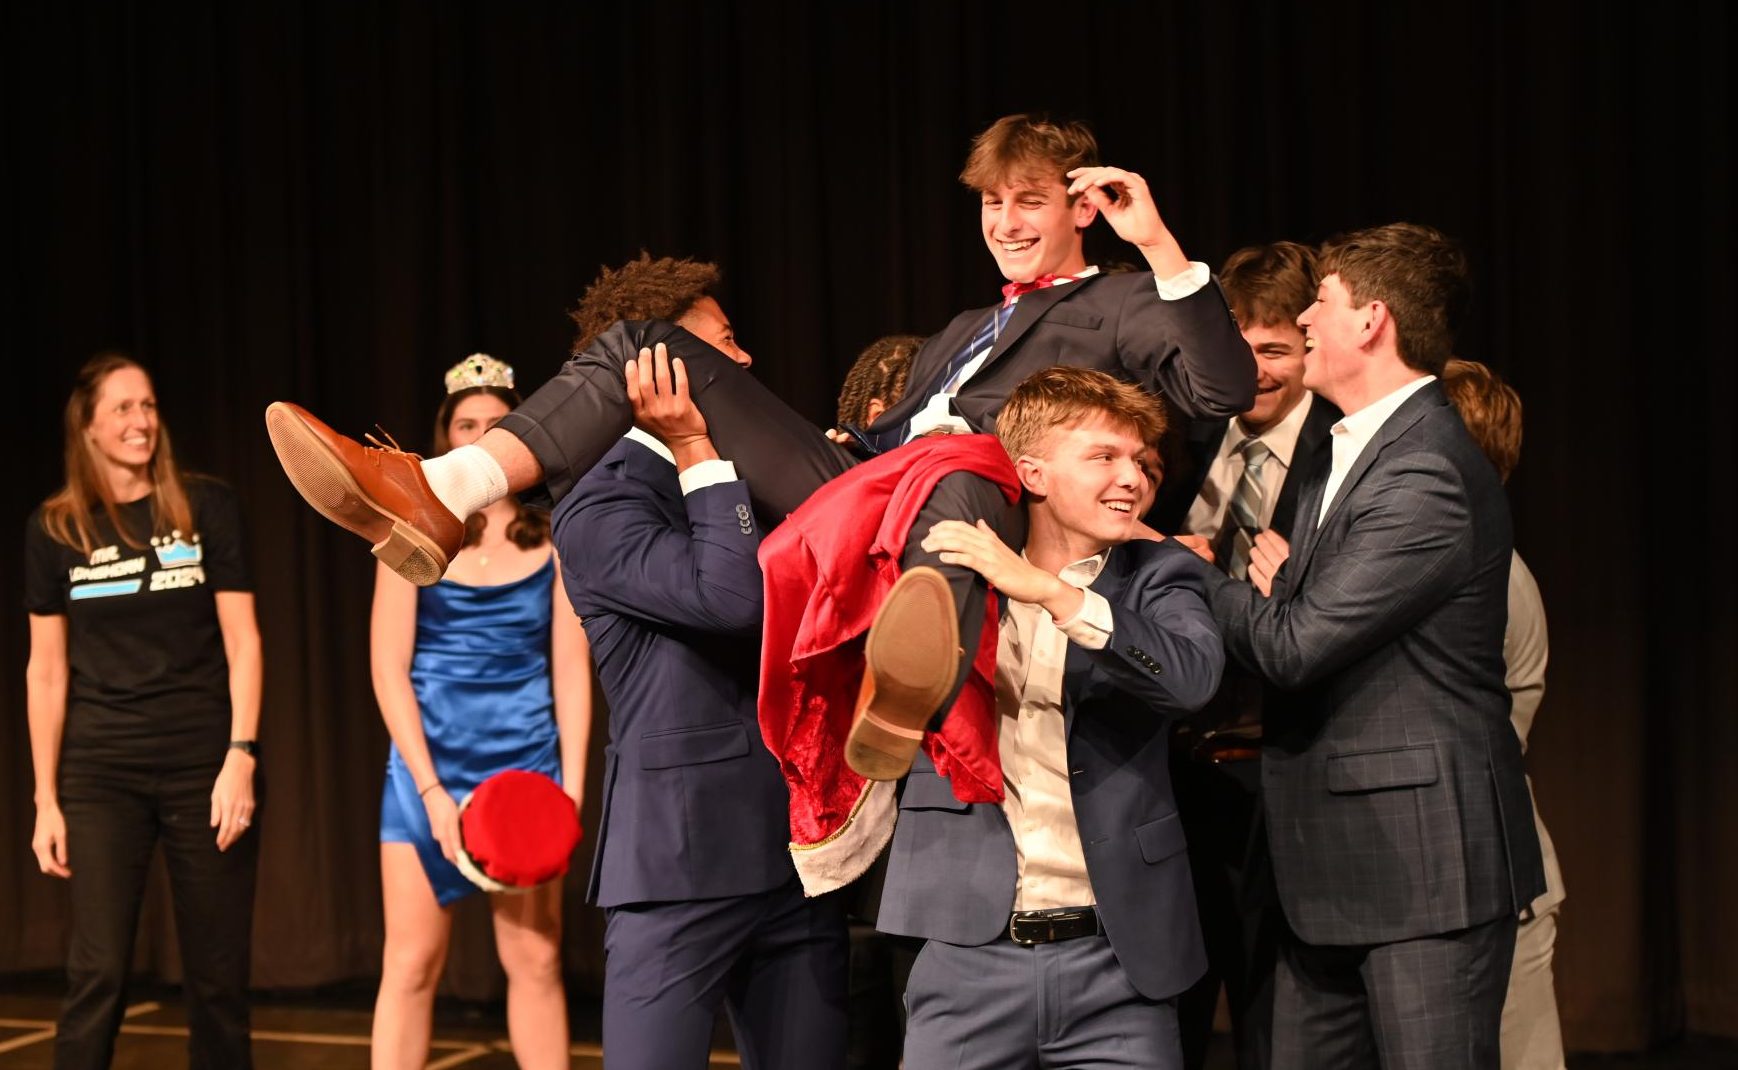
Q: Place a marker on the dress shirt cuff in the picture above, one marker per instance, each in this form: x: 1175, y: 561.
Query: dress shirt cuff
x: 1091, y: 624
x: 706, y: 474
x: 1184, y: 283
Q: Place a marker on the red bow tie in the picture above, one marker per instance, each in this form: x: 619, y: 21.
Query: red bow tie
x: 1015, y: 289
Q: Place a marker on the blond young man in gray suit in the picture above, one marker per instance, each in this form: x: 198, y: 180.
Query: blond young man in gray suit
x: 1398, y: 815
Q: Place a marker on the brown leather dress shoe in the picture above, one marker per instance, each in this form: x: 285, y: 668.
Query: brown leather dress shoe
x: 376, y: 492
x: 912, y: 657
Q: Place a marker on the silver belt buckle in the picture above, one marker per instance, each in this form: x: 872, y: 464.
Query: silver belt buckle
x: 1013, y: 930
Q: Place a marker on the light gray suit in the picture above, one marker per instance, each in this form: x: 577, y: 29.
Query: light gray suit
x: 1398, y: 814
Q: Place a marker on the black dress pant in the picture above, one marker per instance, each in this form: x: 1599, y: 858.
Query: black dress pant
x: 571, y: 421
x: 1241, y: 919
x: 115, y: 816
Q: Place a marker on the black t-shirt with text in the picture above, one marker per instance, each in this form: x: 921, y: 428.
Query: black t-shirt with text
x: 148, y: 682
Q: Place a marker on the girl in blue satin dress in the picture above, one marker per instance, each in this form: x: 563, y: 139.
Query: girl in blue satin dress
x: 485, y: 671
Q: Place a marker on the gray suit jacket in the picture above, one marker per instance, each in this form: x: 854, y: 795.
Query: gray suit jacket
x: 1396, y: 803
x: 952, y: 866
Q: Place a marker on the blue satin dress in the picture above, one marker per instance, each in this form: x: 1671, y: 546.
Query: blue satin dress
x: 481, y: 676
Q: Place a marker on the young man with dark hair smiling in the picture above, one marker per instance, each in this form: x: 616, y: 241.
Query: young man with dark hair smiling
x: 1398, y: 815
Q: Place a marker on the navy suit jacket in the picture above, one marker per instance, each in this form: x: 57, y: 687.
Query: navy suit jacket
x: 669, y: 589
x: 952, y: 867
x: 1396, y: 804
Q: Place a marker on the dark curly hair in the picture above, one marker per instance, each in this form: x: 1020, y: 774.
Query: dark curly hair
x: 642, y: 289
x: 879, y: 373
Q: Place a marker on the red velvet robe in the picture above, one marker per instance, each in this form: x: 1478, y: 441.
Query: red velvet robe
x: 827, y: 568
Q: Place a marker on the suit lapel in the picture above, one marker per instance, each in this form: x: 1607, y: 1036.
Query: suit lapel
x: 658, y: 476
x: 1029, y: 310
x: 1311, y: 440
x: 1308, y: 507
x: 935, y: 356
x: 1409, y: 413
x: 944, y: 347
x: 1111, y: 583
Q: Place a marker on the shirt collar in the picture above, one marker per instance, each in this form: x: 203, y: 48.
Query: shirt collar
x: 1282, y: 437
x: 1361, y: 426
x: 636, y: 435
x: 1081, y: 573
x: 1085, y: 273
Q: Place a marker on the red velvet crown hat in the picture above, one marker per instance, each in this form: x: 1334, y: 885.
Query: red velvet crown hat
x: 516, y: 831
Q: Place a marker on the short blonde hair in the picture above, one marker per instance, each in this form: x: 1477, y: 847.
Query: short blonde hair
x: 1489, y: 407
x: 1060, y: 396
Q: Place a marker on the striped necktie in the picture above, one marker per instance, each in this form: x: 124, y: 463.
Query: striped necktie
x: 1246, y: 505
x: 944, y: 381
x: 984, y: 339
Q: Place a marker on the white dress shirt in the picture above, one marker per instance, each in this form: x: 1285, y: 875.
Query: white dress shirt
x: 1354, y: 432
x: 937, y: 413
x: 704, y: 474
x: 1033, y: 741
x: 1207, y: 516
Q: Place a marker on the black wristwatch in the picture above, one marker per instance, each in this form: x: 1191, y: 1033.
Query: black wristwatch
x: 246, y: 746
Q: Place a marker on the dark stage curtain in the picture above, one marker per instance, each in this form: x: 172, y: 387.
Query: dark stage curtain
x: 333, y: 202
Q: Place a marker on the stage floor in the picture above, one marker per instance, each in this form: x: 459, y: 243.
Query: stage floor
x: 329, y: 1031
x: 286, y: 1036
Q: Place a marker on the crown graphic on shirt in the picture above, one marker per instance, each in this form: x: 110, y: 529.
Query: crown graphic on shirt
x: 174, y: 551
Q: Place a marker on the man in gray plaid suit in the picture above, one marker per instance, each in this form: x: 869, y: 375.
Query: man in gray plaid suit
x: 1398, y: 816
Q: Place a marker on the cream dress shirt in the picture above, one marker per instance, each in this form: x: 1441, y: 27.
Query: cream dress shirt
x: 1207, y: 516
x: 1033, y: 740
x: 1354, y: 432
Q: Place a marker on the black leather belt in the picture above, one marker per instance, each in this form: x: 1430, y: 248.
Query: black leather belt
x: 1028, y: 927
x: 1218, y: 750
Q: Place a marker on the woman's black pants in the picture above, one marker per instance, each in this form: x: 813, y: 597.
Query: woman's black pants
x: 114, y: 818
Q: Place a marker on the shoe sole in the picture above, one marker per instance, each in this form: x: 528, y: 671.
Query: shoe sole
x: 325, y: 482
x: 911, y: 659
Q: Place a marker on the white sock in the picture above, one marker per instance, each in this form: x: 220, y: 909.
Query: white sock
x: 466, y: 480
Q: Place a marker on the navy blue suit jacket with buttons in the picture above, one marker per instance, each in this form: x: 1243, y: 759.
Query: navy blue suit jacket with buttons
x: 952, y: 866
x: 670, y: 592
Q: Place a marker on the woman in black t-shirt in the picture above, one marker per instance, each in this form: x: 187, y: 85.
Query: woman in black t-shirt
x: 144, y: 685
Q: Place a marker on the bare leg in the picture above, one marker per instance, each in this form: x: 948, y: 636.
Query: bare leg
x: 417, y: 931
x: 528, y: 938
x: 515, y: 458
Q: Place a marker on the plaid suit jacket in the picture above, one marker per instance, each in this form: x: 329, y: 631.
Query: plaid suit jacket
x: 1396, y: 802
